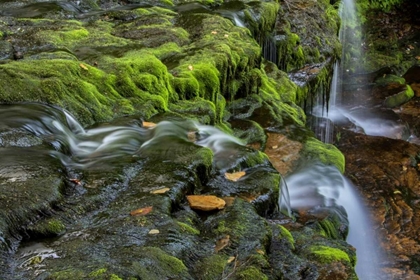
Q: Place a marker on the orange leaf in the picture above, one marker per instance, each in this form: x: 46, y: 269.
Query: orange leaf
x: 83, y: 67
x: 141, y: 211
x: 205, y: 202
x: 148, y: 125
x: 76, y: 181
x: 235, y: 176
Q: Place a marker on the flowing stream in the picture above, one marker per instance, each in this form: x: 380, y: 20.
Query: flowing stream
x: 102, y: 146
x: 317, y: 185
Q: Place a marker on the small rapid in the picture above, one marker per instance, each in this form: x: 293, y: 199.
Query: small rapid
x: 106, y: 144
x: 318, y: 185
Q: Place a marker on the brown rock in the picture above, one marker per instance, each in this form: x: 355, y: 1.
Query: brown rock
x: 205, y: 202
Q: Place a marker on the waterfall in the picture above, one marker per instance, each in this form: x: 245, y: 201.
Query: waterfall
x: 318, y: 185
x: 329, y: 112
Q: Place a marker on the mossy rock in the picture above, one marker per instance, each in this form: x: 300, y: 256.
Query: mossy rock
x: 400, y: 98
x: 325, y: 254
x: 157, y: 264
x: 325, y: 153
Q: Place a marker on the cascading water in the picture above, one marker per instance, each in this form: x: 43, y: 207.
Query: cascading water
x: 318, y: 185
x: 101, y: 147
x: 363, y: 118
x: 351, y: 52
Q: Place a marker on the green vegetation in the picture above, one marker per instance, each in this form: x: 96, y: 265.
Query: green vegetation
x: 326, y: 153
x: 384, y: 5
x: 400, y: 98
x: 326, y: 254
x: 284, y: 233
x: 189, y: 229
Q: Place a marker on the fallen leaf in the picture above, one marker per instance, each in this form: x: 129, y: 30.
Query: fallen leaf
x: 148, y: 125
x: 397, y: 192
x: 190, y: 67
x: 141, y: 211
x: 222, y: 243
x: 76, y: 181
x: 261, y: 252
x: 154, y: 231
x: 231, y: 259
x: 411, y: 47
x: 274, y: 147
x: 205, y: 202
x: 214, y: 32
x: 234, y: 176
x: 160, y: 191
x: 226, y: 35
x: 418, y: 57
x: 83, y: 67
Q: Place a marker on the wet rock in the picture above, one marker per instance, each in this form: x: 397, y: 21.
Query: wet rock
x: 386, y: 173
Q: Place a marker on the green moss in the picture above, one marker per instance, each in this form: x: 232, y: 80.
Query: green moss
x: 290, y: 52
x: 326, y: 153
x: 222, y: 229
x: 388, y: 79
x: 189, y: 229
x: 261, y: 17
x: 328, y: 229
x: 66, y: 274
x: 156, y: 264
x: 98, y: 272
x: 48, y: 227
x: 399, y: 98
x: 114, y: 277
x: 284, y: 233
x: 251, y: 273
x: 326, y: 254
x: 212, y: 267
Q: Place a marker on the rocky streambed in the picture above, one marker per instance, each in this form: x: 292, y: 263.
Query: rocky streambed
x: 104, y: 195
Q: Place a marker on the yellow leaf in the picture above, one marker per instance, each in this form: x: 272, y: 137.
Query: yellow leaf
x: 148, y: 125
x: 160, y: 191
x: 234, y: 176
x: 261, y: 252
x: 397, y: 192
x: 226, y: 35
x: 214, y: 32
x: 141, y: 211
x: 83, y: 67
x: 205, y: 202
x: 154, y: 231
x: 190, y: 67
x: 231, y: 259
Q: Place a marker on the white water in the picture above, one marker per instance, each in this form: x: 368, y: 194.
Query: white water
x: 81, y: 148
x: 319, y: 185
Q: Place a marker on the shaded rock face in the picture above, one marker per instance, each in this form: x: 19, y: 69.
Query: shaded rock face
x: 97, y: 214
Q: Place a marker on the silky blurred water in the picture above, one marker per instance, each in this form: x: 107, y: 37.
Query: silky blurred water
x: 318, y: 185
